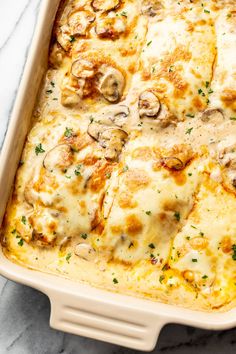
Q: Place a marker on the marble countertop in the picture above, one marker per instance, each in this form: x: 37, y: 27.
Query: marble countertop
x: 24, y: 312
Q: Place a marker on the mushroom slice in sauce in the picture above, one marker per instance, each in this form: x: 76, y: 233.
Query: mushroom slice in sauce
x: 178, y: 157
x: 110, y: 27
x: 105, y: 5
x: 113, y: 140
x: 149, y: 105
x: 110, y: 138
x: 85, y: 251
x: 111, y: 83
x: 116, y: 114
x: 59, y: 157
x: 64, y: 38
x: 79, y: 22
x: 82, y: 68
x: 151, y: 7
x: 173, y: 162
x: 211, y: 115
x: 69, y: 98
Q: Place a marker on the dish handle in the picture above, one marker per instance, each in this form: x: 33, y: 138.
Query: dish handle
x: 108, y: 321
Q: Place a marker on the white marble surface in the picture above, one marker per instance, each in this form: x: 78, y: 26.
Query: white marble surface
x: 24, y: 313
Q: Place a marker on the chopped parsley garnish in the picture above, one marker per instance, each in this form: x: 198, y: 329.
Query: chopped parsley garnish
x: 39, y: 149
x: 162, y: 277
x: 48, y: 92
x: 84, y: 236
x: 171, y: 68
x: 52, y: 84
x: 148, y: 44
x: 234, y: 252
x: 194, y: 260
x: 131, y: 244
x: 190, y: 174
x: 68, y: 256
x: 108, y: 175
x: 229, y: 15
x: 210, y: 91
x: 68, y: 132
x: 115, y: 281
x: 177, y: 215
x: 21, y: 242
x: 190, y: 115
x: 188, y: 131
x: 206, y: 11
x: 204, y: 276
x: 188, y: 238
x: 194, y: 227
x: 23, y: 220
x: 124, y: 13
x: 201, y: 233
x: 13, y: 231
x: 72, y: 39
x: 125, y: 169
x: 207, y: 84
x: 232, y: 118
x: 151, y: 245
x: 77, y: 171
x: 148, y: 212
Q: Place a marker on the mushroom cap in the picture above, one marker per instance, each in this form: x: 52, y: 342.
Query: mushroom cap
x: 85, y: 251
x: 112, y: 83
x: 110, y: 27
x: 105, y: 5
x: 215, y: 114
x: 82, y: 68
x: 79, y: 21
x: 149, y: 105
x: 151, y: 7
x: 60, y: 157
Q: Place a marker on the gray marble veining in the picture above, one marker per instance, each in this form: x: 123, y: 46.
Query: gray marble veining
x: 24, y: 312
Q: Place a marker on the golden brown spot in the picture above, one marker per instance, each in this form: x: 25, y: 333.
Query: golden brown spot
x: 198, y: 104
x: 229, y: 98
x: 116, y: 229
x: 126, y: 201
x: 90, y: 160
x: 143, y: 153
x: 99, y: 177
x: 179, y: 177
x: 133, y: 225
x: 136, y: 179
x: 226, y: 244
x: 198, y: 243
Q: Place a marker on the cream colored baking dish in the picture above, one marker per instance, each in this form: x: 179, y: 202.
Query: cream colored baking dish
x: 78, y: 308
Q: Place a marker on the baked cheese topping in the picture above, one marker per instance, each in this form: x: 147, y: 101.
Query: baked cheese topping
x: 127, y: 179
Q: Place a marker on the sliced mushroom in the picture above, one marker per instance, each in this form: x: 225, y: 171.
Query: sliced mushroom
x: 82, y: 68
x: 178, y: 157
x: 110, y: 138
x: 116, y: 114
x: 79, y: 22
x: 215, y: 114
x: 110, y: 27
x: 151, y: 7
x: 111, y: 84
x: 149, y: 105
x: 105, y: 5
x: 56, y: 55
x: 64, y: 38
x: 59, y: 157
x: 85, y: 251
x: 113, y: 140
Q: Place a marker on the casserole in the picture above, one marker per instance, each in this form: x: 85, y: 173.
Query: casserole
x: 79, y: 308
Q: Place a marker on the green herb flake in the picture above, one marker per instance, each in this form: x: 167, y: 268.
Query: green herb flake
x: 23, y: 220
x: 148, y: 44
x: 171, y: 68
x: 84, y: 236
x: 190, y: 174
x: 232, y: 118
x: 39, y: 149
x: 234, y: 252
x: 149, y: 212
x: 125, y: 169
x: 207, y: 83
x: 48, y: 92
x: 68, y: 132
x: 13, y: 232
x: 204, y: 276
x: 194, y: 260
x: 151, y: 245
x: 77, y: 170
x: 188, y: 131
x: 21, y: 242
x: 177, y: 215
x: 229, y: 15
x: 108, y: 175
x: 52, y: 84
x: 190, y: 115
x: 115, y: 281
x: 124, y: 13
x: 161, y: 278
x: 72, y: 39
x: 206, y: 11
x: 68, y: 256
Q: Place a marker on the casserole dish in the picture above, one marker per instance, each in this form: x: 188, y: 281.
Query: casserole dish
x: 75, y: 307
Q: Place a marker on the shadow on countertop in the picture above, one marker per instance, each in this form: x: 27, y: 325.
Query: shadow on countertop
x: 24, y: 329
